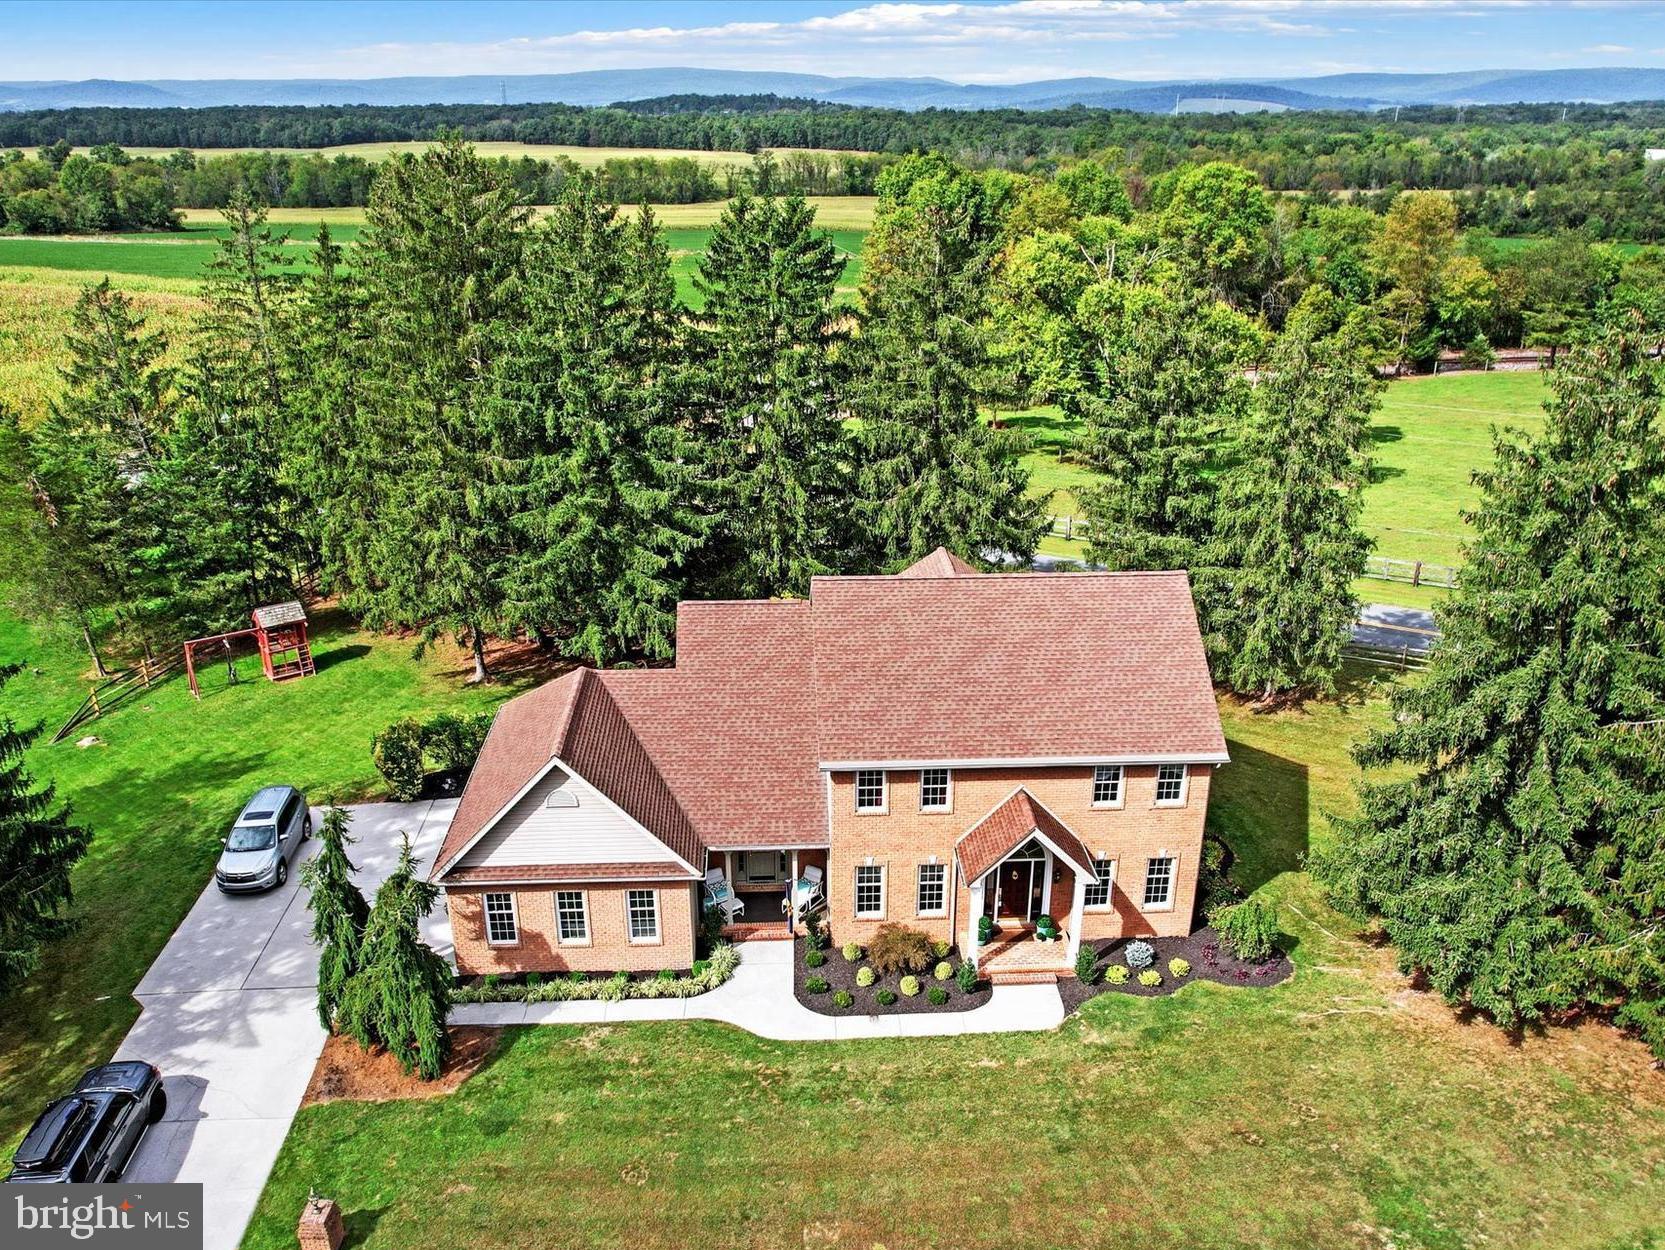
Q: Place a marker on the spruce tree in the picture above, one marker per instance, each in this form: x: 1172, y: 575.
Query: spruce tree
x: 339, y: 913
x: 401, y: 993
x: 774, y: 452
x: 1159, y: 415
x: 1278, y: 596
x: 440, y: 261
x: 1520, y: 865
x: 38, y: 847
x: 585, y: 411
x: 931, y: 471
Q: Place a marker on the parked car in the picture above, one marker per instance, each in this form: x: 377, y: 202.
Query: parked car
x: 264, y: 840
x: 91, y: 1135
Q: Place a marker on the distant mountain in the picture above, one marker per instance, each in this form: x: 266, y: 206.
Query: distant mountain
x: 595, y: 87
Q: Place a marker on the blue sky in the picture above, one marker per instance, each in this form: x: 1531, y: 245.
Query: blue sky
x: 996, y: 41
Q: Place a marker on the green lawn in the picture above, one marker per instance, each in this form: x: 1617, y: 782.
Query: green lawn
x: 157, y: 793
x: 1337, y: 1110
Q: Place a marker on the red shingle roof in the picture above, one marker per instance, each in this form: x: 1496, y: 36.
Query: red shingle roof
x: 726, y: 749
x: 1008, y: 826
x: 549, y: 873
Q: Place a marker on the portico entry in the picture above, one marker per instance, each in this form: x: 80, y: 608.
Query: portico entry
x: 1015, y: 892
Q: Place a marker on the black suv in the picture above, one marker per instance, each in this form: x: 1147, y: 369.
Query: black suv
x: 91, y: 1135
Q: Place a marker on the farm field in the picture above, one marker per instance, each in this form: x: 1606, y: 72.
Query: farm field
x: 157, y: 791
x: 1358, y: 1112
x: 584, y: 156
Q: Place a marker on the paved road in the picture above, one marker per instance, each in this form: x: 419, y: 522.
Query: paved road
x: 1384, y: 625
x: 229, y: 1017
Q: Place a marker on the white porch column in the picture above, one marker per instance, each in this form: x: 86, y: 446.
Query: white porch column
x: 792, y: 896
x: 971, y: 915
x: 1078, y: 907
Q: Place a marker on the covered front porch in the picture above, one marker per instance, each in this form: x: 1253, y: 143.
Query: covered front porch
x: 751, y: 886
x: 1027, y: 874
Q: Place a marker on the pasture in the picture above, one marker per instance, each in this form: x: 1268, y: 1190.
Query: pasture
x: 587, y: 157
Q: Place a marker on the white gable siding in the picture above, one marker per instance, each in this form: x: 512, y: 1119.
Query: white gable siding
x: 593, y: 832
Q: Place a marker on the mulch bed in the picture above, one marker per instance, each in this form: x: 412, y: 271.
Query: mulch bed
x: 345, y: 1072
x: 840, y: 974
x: 1209, y: 960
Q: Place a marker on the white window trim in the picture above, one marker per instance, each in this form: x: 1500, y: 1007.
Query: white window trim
x: 884, y: 892
x: 658, y: 936
x: 1184, y: 786
x: 514, y: 916
x: 937, y: 912
x: 1109, y: 903
x: 584, y: 904
x: 1121, y: 787
x: 1173, y: 883
x: 937, y: 809
x: 883, y: 809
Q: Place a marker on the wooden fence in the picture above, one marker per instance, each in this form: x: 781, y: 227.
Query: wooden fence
x: 1416, y: 572
x: 120, y: 687
x: 1403, y: 656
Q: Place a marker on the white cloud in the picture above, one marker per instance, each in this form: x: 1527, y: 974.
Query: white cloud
x: 1608, y: 49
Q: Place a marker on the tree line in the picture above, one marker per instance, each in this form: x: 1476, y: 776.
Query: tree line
x: 1594, y: 154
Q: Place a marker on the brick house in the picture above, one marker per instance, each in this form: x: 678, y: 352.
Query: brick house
x: 940, y: 744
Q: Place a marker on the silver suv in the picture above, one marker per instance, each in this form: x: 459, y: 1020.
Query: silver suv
x: 265, y: 838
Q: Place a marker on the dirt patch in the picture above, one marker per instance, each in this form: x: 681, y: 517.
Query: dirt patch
x: 840, y: 974
x: 1209, y: 961
x: 346, y: 1073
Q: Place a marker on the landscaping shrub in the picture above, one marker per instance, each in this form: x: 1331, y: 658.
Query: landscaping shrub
x: 711, y: 927
x: 454, y: 741
x: 1247, y: 929
x: 1180, y: 967
x: 885, y: 997
x: 943, y: 971
x: 851, y: 952
x: 615, y: 987
x: 1116, y: 974
x: 708, y: 974
x: 941, y: 949
x: 910, y: 986
x: 665, y: 974
x: 896, y: 948
x: 1214, y: 884
x: 535, y: 979
x: 936, y: 996
x: 397, y: 754
x: 814, y: 958
x: 700, y: 965
x: 1150, y: 976
x: 966, y: 977
x: 817, y: 985
x: 865, y: 977
x: 492, y: 980
x: 1139, y: 955
x: 815, y: 934
x: 844, y: 999
x: 1085, y: 960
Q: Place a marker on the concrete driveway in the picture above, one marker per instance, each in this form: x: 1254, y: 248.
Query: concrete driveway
x: 229, y: 1016
x: 1391, y: 627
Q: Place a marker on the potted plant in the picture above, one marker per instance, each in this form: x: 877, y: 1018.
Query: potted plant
x: 985, y: 930
x: 1046, y: 928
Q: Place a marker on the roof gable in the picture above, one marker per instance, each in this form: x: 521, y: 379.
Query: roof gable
x: 940, y: 563
x: 1011, y: 823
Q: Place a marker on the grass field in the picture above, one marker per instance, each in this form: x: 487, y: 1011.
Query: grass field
x: 1339, y: 1110
x: 589, y: 158
x: 157, y: 792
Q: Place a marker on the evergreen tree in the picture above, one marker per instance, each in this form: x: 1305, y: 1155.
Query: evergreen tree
x: 1168, y: 403
x: 38, y: 847
x: 775, y: 454
x: 339, y: 913
x: 585, y: 416
x: 400, y: 994
x: 1279, y: 611
x: 1521, y: 866
x: 439, y: 262
x: 932, y: 472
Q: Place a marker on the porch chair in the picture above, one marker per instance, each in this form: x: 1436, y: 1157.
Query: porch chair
x: 720, y: 895
x: 808, y: 894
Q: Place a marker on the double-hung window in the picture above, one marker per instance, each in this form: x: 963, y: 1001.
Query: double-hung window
x: 932, y: 891
x: 1107, y: 785
x: 643, y: 909
x: 1096, y: 896
x: 870, y: 891
x: 502, y: 926
x: 870, y: 790
x: 1159, y: 882
x: 572, y: 919
x: 1170, y: 785
x: 934, y: 792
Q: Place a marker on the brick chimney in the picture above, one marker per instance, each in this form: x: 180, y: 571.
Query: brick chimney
x: 320, y: 1227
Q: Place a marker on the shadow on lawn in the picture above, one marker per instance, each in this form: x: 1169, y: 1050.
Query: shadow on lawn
x: 1258, y: 807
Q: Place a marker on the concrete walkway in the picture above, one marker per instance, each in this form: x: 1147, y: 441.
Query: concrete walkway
x: 759, y: 999
x: 229, y: 1016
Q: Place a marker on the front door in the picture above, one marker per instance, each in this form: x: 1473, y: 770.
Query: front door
x: 1020, y: 889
